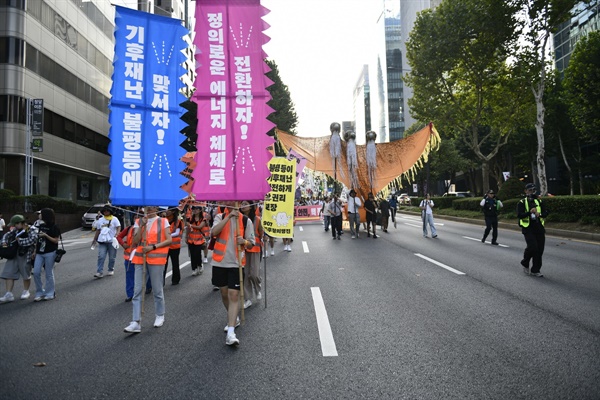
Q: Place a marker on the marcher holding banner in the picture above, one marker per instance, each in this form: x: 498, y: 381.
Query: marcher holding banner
x: 225, y: 266
x: 252, y: 280
x: 278, y: 214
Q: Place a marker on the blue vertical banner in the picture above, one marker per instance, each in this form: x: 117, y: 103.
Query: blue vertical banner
x: 145, y: 112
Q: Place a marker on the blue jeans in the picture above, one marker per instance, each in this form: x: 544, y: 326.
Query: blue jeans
x: 130, y: 278
x: 354, y: 219
x: 156, y: 275
x: 429, y: 220
x: 103, y: 249
x: 46, y: 261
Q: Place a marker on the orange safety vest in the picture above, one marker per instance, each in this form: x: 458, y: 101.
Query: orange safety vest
x: 257, y: 239
x: 206, y: 229
x: 156, y: 235
x: 221, y: 240
x: 195, y: 236
x: 128, y: 240
x: 176, y: 241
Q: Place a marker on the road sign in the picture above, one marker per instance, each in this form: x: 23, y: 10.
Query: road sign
x: 37, y: 145
x: 37, y: 117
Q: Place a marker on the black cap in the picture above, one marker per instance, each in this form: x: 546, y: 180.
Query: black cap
x: 107, y: 208
x: 529, y: 186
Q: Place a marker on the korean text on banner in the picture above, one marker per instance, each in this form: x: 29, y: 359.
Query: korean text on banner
x: 300, y: 164
x: 278, y: 211
x: 144, y: 109
x: 232, y: 156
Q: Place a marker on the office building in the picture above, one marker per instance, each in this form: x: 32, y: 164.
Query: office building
x: 61, y: 51
x: 362, y: 105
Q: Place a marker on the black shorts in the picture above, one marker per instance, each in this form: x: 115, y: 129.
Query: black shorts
x: 371, y: 217
x: 229, y: 277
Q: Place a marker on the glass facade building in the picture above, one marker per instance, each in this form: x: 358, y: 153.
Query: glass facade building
x: 362, y: 106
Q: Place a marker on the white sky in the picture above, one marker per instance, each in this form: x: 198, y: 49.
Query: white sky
x: 320, y: 47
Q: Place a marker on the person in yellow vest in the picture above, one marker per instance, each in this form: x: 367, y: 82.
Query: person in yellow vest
x: 175, y: 247
x: 196, y: 240
x: 252, y: 279
x: 531, y: 213
x: 229, y: 245
x: 152, y: 238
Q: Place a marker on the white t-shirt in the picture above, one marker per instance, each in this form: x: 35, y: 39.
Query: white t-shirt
x: 108, y: 229
x: 165, y: 224
x: 354, y: 204
x: 429, y: 204
x: 2, y: 224
x: 230, y: 258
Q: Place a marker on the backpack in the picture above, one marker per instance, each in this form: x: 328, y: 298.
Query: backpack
x: 10, y: 247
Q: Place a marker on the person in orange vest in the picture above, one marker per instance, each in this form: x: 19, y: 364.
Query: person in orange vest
x: 252, y: 280
x: 152, y: 238
x: 196, y: 240
x: 175, y: 247
x: 229, y: 245
x: 206, y: 233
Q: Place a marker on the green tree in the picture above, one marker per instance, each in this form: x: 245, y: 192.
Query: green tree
x: 284, y: 116
x: 460, y: 76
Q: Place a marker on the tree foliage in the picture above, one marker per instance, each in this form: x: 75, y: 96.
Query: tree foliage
x: 284, y: 115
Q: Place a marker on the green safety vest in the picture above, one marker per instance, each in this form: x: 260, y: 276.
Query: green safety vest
x: 524, y: 222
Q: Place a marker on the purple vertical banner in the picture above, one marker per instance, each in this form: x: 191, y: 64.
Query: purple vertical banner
x: 145, y: 115
x: 232, y: 156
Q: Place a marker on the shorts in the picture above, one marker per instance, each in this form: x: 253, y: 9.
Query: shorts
x: 226, y: 277
x: 15, y: 268
x: 371, y: 217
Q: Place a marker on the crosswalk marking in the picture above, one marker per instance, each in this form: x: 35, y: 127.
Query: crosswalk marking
x: 325, y: 335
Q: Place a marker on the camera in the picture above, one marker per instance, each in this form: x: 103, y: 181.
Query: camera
x: 59, y: 254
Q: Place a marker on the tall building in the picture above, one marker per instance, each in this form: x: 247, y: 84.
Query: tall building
x: 362, y: 105
x: 408, y: 15
x: 585, y: 19
x: 60, y: 51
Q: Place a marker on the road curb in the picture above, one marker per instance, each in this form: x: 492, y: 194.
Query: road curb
x: 592, y: 237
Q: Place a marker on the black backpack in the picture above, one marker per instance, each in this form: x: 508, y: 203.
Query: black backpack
x: 9, y: 247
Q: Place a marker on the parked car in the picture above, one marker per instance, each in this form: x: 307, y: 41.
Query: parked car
x: 458, y: 194
x: 90, y: 215
x: 404, y: 198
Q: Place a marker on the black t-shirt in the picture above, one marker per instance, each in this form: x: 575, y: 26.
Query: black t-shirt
x: 43, y: 245
x: 370, y: 205
x: 384, y: 206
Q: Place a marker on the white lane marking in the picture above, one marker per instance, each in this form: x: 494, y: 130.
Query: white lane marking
x: 413, y: 218
x: 301, y: 228
x: 181, y: 266
x: 479, y: 240
x: 457, y: 272
x: 416, y: 226
x: 436, y: 224
x: 305, y: 247
x: 325, y: 335
x: 68, y: 243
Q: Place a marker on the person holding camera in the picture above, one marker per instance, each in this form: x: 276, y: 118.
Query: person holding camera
x: 335, y: 209
x: 426, y: 207
x: 20, y: 264
x: 45, y: 254
x: 490, y: 206
x: 531, y: 213
x: 354, y: 205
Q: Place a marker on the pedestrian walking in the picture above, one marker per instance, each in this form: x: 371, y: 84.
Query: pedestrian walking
x: 196, y: 239
x: 227, y: 255
x: 335, y: 209
x: 107, y: 229
x: 371, y: 209
x: 252, y: 281
x: 125, y: 239
x: 326, y: 214
x: 491, y: 206
x: 532, y: 213
x: 394, y: 208
x: 384, y: 207
x: 48, y: 234
x: 152, y: 238
x: 22, y: 240
x: 2, y: 226
x: 176, y: 226
x: 426, y: 207
x: 354, y: 205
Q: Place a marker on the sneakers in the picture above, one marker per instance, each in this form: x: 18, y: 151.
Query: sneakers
x: 25, y: 295
x: 237, y: 323
x: 375, y: 236
x: 196, y: 272
x: 247, y: 304
x: 98, y: 275
x: 133, y: 327
x: 272, y: 252
x: 289, y: 248
x: 537, y: 274
x: 357, y: 235
x: 353, y: 237
x: 110, y: 273
x: 232, y: 340
x: 205, y: 260
x: 7, y: 298
x: 201, y: 270
x: 434, y: 236
x: 215, y: 288
x: 395, y: 225
x: 495, y: 243
x: 38, y: 298
x: 266, y: 254
x: 159, y: 321
x: 259, y: 296
x: 47, y: 298
x: 483, y: 240
x: 525, y: 267
x: 339, y: 237
x: 333, y: 238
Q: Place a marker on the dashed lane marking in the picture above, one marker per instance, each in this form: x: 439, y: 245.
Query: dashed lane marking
x: 457, y: 272
x: 305, y: 247
x: 325, y: 335
x: 479, y: 240
x: 301, y: 229
x: 416, y: 226
x: 181, y: 266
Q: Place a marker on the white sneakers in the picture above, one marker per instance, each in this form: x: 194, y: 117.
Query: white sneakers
x: 259, y: 296
x: 133, y: 327
x: 159, y: 321
x: 247, y: 304
x: 98, y: 275
x: 205, y: 260
x: 272, y: 252
x: 25, y: 295
x: 196, y: 272
x: 201, y: 270
x: 232, y: 340
x: 287, y: 247
x: 7, y: 298
x: 237, y: 323
x: 110, y: 273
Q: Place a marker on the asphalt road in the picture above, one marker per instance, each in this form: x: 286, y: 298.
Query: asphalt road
x: 408, y: 318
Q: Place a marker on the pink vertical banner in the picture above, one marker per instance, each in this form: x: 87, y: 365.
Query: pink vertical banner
x: 232, y: 156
